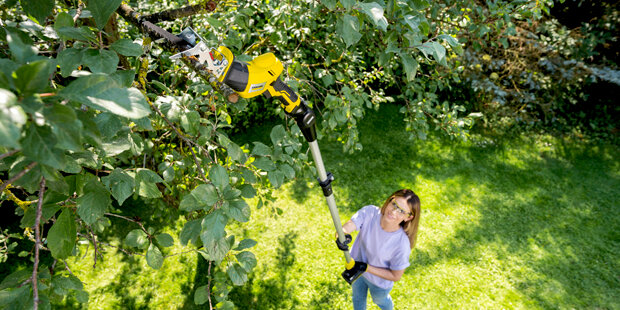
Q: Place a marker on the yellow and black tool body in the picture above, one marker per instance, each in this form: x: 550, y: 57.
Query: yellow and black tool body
x: 260, y: 76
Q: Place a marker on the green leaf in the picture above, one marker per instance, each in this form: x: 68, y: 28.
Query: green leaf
x: 63, y: 19
x: 81, y: 34
x: 247, y: 260
x: 247, y: 191
x: 126, y: 47
x: 204, y: 195
x: 225, y: 305
x: 248, y: 175
x: 330, y: 4
x: 33, y: 77
x: 347, y: 4
x: 61, y: 237
x: 7, y: 67
x: 21, y: 51
x: 239, y: 210
x: 124, y: 78
x: 190, y: 120
x: 101, y: 92
x: 219, y: 176
x: 349, y: 30
x: 288, y: 171
x: 69, y: 59
x: 231, y: 193
x: 277, y: 134
x: 100, y: 61
x: 261, y: 149
x: 419, y: 5
x: 237, y: 274
x: 94, y: 203
x: 63, y: 284
x: 154, y: 258
x: 276, y: 178
x: 38, y: 10
x: 9, y: 297
x: 439, y: 53
x: 164, y: 240
x: 66, y: 126
x: 81, y: 296
x: 427, y: 49
x: 214, y: 22
x: 15, y: 278
x: 410, y: 65
x: 12, y: 118
x: 213, y: 235
x: 137, y: 238
x: 120, y: 184
x: 101, y: 10
x: 108, y: 124
x: 450, y: 39
x: 375, y: 12
x: 190, y: 232
x: 201, y: 295
x: 234, y: 151
x: 145, y: 183
x: 245, y: 244
x: 149, y: 175
x: 264, y: 163
x: 38, y: 145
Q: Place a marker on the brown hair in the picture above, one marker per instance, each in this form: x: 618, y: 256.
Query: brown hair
x: 410, y: 226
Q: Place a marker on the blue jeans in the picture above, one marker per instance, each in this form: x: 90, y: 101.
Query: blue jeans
x: 380, y: 296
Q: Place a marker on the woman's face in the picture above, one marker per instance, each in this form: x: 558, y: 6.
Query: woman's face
x: 398, y: 210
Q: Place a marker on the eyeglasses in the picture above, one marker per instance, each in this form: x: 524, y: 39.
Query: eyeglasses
x: 399, y: 209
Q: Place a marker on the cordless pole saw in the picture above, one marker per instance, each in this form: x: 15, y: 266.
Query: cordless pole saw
x: 262, y: 76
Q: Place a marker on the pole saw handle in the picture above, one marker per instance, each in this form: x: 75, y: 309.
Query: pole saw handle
x: 289, y: 100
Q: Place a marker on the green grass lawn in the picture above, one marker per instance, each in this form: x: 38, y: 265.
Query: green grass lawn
x: 519, y: 223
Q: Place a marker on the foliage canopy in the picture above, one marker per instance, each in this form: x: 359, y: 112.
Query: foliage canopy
x: 94, y: 116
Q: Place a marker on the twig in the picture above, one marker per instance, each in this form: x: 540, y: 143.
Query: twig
x: 68, y: 269
x: 37, y: 233
x: 92, y: 235
x: 11, y: 153
x: 180, y: 253
x: 209, y: 285
x: 122, y: 250
x: 17, y: 177
x: 129, y: 219
x: 78, y: 12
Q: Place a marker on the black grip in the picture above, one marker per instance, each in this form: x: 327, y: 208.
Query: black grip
x: 281, y: 87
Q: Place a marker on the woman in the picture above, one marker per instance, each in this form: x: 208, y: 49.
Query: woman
x: 386, y: 237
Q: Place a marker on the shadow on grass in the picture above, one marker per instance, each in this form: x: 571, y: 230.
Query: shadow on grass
x: 275, y: 292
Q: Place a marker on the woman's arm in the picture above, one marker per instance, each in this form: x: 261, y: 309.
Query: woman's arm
x: 392, y: 275
x: 349, y: 227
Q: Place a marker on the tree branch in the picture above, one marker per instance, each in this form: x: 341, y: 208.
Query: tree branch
x: 17, y: 176
x: 172, y: 43
x: 182, y: 12
x: 37, y: 233
x: 11, y: 153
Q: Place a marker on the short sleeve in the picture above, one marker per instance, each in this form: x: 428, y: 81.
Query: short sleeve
x: 363, y: 216
x: 401, y: 256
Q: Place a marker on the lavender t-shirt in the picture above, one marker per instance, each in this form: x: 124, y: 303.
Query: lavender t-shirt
x: 377, y: 247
